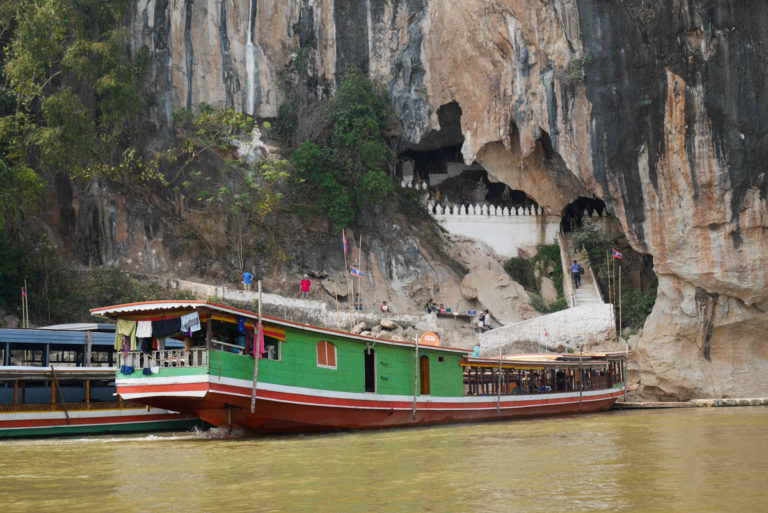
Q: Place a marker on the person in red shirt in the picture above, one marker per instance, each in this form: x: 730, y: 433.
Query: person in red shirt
x: 305, y: 283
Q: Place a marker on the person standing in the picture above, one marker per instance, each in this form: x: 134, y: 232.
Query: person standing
x: 575, y: 272
x: 305, y: 284
x: 385, y: 307
x: 358, y: 303
x: 247, y: 278
x: 487, y: 320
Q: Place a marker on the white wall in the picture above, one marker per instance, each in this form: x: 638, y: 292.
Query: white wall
x: 504, y: 233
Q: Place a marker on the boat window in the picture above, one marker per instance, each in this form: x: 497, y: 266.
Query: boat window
x: 326, y: 354
x: 271, y: 348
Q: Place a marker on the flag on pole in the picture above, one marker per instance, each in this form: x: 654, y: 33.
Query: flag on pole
x: 546, y: 333
x: 23, y: 294
x: 344, y: 240
x: 616, y: 254
x: 354, y: 271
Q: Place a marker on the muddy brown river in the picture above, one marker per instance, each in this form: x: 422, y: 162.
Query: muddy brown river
x: 686, y: 460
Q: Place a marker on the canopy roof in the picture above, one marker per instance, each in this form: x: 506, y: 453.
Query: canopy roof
x: 139, y: 311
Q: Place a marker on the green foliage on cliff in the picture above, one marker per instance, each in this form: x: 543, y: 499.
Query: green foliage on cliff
x: 74, y: 91
x: 55, y: 292
x: 528, y: 273
x: 345, y: 171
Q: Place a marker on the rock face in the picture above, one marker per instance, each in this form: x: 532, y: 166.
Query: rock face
x: 655, y: 107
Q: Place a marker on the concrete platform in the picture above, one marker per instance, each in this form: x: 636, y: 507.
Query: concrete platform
x: 694, y: 403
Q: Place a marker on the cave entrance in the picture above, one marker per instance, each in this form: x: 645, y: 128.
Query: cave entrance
x: 575, y: 212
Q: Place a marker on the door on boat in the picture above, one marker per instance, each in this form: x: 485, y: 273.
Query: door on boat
x: 424, y: 375
x: 370, y: 370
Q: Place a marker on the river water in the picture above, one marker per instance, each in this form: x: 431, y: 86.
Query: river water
x: 686, y: 460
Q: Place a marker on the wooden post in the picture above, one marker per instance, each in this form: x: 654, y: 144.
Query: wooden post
x: 256, y: 358
x: 88, y: 344
x: 87, y: 394
x: 620, y: 299
x: 498, y: 396
x: 209, y: 332
x: 581, y: 373
x: 338, y: 315
x: 56, y: 386
x: 415, y: 376
x: 16, y: 392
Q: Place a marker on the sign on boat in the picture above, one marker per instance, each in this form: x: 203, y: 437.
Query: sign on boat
x: 301, y: 378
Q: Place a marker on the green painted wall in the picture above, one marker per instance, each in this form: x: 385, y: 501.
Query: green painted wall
x: 298, y: 367
x: 166, y: 372
x: 394, y: 367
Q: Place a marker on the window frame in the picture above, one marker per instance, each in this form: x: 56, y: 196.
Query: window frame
x: 327, y: 343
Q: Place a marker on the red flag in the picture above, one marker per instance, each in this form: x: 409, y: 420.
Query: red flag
x: 344, y: 240
x: 23, y: 294
x: 616, y: 254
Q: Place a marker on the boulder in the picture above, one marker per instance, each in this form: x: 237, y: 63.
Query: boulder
x: 334, y: 289
x: 548, y: 290
x: 358, y: 329
x: 389, y: 324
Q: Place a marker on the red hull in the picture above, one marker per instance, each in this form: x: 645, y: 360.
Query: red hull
x: 278, y: 412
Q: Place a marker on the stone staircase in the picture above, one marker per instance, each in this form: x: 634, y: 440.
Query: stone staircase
x: 588, y: 293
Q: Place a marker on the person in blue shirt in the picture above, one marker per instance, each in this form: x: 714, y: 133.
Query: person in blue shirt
x: 247, y: 277
x: 575, y: 272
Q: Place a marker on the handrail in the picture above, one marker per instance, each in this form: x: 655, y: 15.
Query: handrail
x: 234, y: 347
x: 197, y: 357
x: 594, y: 282
x: 567, y: 278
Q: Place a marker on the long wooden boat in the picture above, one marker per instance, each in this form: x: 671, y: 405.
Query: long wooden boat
x: 46, y: 389
x: 307, y: 378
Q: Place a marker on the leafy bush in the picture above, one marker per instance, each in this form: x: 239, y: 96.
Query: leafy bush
x: 541, y: 306
x: 548, y: 256
x: 346, y: 171
x: 636, y: 306
x: 521, y: 270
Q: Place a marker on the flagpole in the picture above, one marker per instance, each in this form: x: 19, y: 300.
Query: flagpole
x: 25, y: 307
x: 619, y: 300
x: 256, y: 357
x: 360, y: 263
x: 346, y: 267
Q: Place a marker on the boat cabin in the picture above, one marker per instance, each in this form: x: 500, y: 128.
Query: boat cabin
x: 221, y: 340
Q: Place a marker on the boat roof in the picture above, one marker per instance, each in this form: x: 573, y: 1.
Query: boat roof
x: 81, y: 326
x: 540, y: 361
x: 28, y: 373
x: 137, y: 311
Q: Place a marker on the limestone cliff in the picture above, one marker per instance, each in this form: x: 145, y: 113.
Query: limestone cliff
x: 656, y: 107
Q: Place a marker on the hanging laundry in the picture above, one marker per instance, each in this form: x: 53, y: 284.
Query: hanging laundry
x: 146, y: 344
x: 190, y: 323
x: 143, y: 329
x: 128, y: 328
x: 166, y: 327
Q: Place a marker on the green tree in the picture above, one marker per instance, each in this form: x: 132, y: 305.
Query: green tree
x: 346, y: 172
x: 75, y: 90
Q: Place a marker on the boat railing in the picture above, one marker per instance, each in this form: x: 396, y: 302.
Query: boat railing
x: 197, y: 357
x: 226, y: 347
x: 70, y: 407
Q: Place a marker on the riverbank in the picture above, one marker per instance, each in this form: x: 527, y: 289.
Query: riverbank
x: 693, y: 403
